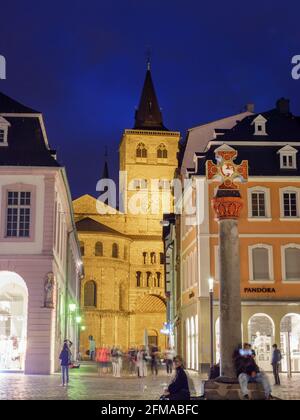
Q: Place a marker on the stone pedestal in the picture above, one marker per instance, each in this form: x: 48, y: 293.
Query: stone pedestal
x: 221, y: 391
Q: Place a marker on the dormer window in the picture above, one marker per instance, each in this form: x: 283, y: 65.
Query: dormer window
x: 3, y: 131
x: 287, y: 161
x: 259, y: 126
x: 288, y: 157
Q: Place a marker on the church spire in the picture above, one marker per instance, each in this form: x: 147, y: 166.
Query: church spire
x: 148, y: 115
x: 105, y: 169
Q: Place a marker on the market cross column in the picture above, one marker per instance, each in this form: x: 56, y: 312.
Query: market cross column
x: 227, y: 205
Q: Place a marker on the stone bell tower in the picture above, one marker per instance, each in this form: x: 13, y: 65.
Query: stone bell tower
x: 148, y: 152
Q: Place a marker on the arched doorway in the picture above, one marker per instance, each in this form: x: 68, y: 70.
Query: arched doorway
x: 150, y: 317
x: 290, y: 342
x: 13, y: 320
x: 261, y: 337
x: 152, y: 338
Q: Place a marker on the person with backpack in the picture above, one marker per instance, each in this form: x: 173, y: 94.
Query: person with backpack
x: 276, y: 359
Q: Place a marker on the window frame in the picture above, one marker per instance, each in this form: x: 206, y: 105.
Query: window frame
x: 141, y: 147
x: 286, y: 152
x: 113, y: 247
x: 259, y: 190
x: 95, y: 294
x: 102, y: 249
x: 283, y: 263
x: 19, y: 188
x: 286, y: 190
x: 269, y: 248
x: 260, y: 126
x: 163, y: 151
x: 4, y: 125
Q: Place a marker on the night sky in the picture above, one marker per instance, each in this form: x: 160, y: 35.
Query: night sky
x: 82, y: 63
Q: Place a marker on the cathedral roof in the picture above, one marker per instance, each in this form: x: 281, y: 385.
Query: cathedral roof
x: 90, y: 225
x: 148, y: 116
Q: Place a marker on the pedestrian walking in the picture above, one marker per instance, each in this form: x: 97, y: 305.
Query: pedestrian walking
x: 154, y: 360
x: 276, y: 359
x: 65, y: 358
x: 141, y: 363
x: 119, y: 362
x: 132, y: 353
x: 114, y: 361
x: 169, y: 357
x: 92, y: 348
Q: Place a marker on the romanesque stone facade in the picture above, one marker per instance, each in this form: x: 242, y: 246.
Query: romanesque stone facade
x: 123, y: 291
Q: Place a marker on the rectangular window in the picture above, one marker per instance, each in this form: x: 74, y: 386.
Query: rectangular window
x: 287, y: 161
x: 258, y: 204
x: 18, y: 214
x: 290, y: 204
x: 292, y: 266
x: 1, y: 136
x: 260, y: 257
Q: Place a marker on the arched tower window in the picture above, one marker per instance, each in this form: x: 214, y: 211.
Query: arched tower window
x: 149, y: 275
x: 153, y: 258
x: 115, y: 251
x: 162, y: 152
x: 158, y: 277
x: 90, y: 293
x: 99, y: 249
x: 138, y: 279
x: 81, y: 244
x: 141, y: 151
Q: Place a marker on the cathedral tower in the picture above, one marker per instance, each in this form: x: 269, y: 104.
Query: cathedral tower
x: 148, y: 156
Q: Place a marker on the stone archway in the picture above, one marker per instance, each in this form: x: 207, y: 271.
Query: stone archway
x: 150, y: 316
x: 261, y: 331
x: 13, y: 320
x: 290, y: 342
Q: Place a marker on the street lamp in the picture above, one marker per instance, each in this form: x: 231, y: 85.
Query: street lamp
x: 211, y: 315
x: 72, y: 307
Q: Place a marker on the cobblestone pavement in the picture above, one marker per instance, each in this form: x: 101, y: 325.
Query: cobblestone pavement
x: 86, y: 384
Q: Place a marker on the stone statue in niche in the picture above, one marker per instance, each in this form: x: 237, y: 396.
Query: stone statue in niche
x: 49, y: 291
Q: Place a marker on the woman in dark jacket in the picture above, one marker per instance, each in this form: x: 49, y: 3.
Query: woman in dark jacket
x: 179, y: 387
x: 65, y: 359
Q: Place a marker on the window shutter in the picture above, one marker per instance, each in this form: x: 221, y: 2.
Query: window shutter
x: 260, y: 264
x: 292, y: 263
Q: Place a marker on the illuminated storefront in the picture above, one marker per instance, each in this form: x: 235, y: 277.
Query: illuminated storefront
x: 13, y: 321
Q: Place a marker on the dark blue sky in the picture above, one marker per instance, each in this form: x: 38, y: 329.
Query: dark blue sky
x: 82, y: 63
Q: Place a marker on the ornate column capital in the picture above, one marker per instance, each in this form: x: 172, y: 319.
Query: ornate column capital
x: 227, y: 207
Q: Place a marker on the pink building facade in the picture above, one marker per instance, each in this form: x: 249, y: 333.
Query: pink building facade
x: 40, y: 262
